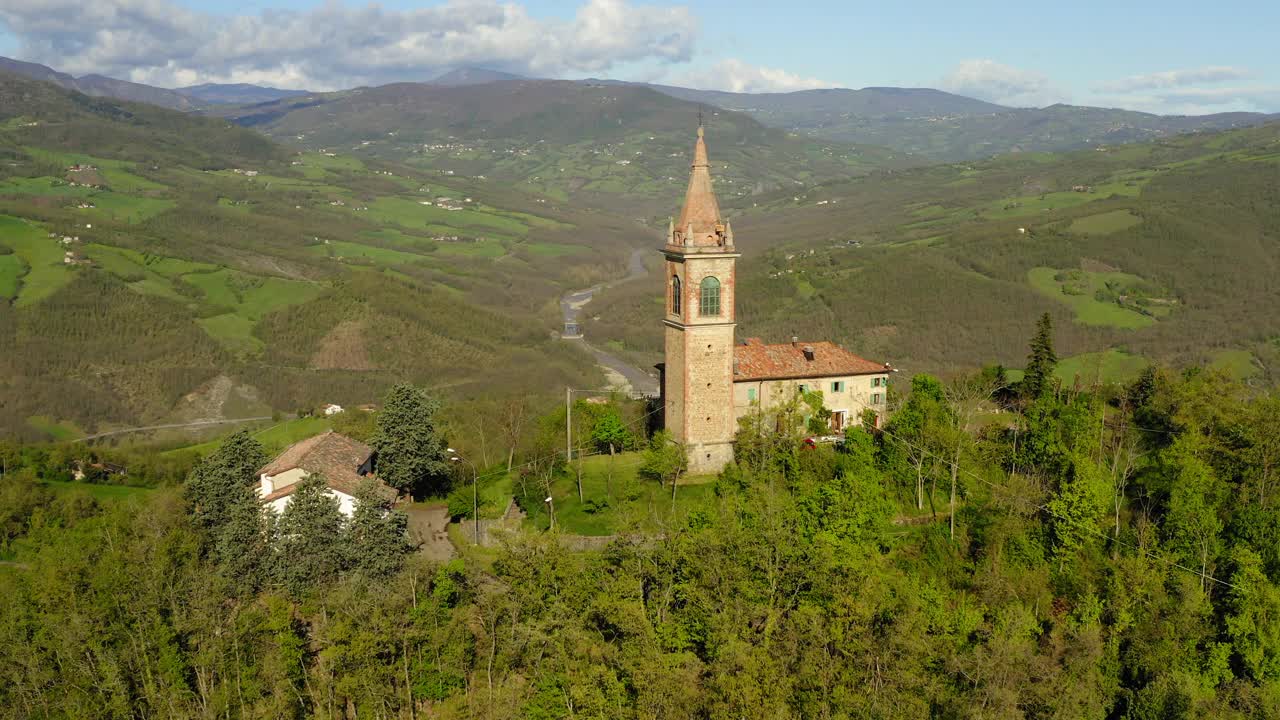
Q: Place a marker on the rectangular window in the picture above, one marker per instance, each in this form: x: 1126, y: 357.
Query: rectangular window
x: 875, y: 398
x: 751, y: 394
x: 837, y: 386
x: 803, y: 389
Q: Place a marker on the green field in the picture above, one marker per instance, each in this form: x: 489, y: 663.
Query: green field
x: 232, y: 331
x: 11, y: 269
x: 547, y: 249
x: 1110, y: 366
x: 59, y: 431
x: 42, y: 254
x: 634, y: 501
x: 1104, y: 223
x: 1089, y: 310
x: 1126, y: 185
x: 249, y: 298
x: 1238, y: 364
x: 273, y: 439
x: 339, y: 249
x: 97, y: 492
x: 119, y: 175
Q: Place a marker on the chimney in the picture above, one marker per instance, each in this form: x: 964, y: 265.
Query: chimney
x: 794, y: 341
x: 808, y: 353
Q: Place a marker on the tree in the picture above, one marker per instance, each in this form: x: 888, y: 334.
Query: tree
x: 377, y: 533
x: 511, y: 420
x: 410, y: 447
x: 243, y: 546
x: 1253, y: 622
x: 817, y: 415
x: 610, y: 433
x: 965, y: 395
x: 1041, y: 362
x: 665, y: 461
x: 918, y: 426
x: 313, y: 547
x: 217, y: 483
x: 1079, y: 506
x: 1194, y: 496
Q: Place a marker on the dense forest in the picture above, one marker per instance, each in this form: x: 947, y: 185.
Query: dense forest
x: 997, y: 550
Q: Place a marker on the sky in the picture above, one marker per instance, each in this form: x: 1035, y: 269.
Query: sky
x: 1171, y: 57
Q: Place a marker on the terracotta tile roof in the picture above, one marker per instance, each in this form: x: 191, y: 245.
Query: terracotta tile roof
x: 754, y: 360
x: 335, y: 456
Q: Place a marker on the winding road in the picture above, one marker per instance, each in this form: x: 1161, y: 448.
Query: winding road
x: 640, y: 381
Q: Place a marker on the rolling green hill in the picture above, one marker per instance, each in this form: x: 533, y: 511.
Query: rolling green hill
x: 946, y: 127
x: 1168, y: 251
x: 158, y: 266
x: 618, y: 146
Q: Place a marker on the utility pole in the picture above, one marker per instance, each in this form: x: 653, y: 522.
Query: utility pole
x: 568, y: 425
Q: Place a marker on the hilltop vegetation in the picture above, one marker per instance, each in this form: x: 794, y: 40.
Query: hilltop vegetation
x: 152, y: 262
x: 1166, y: 250
x: 1080, y: 555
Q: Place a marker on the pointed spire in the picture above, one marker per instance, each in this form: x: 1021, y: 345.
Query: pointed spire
x: 701, y: 211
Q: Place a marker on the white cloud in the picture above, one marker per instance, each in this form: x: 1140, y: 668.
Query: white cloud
x: 994, y: 82
x: 336, y: 45
x: 735, y: 75
x: 1196, y: 91
x: 1175, y: 78
x: 1199, y: 101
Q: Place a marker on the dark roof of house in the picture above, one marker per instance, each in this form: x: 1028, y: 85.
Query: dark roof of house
x: 754, y: 360
x: 337, y: 457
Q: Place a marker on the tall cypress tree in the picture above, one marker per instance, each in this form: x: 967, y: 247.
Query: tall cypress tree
x: 222, y: 480
x: 410, y: 447
x: 313, y: 547
x: 1041, y: 362
x: 377, y: 533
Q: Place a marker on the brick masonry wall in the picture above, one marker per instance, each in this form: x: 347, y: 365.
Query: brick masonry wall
x: 699, y: 357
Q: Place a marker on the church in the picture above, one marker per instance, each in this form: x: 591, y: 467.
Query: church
x: 708, y: 379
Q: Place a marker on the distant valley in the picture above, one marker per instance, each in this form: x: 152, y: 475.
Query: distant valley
x: 305, y: 248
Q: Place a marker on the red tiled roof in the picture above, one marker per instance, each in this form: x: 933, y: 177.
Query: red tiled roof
x: 756, y: 361
x: 337, y: 457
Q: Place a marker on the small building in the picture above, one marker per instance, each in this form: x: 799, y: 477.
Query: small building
x: 764, y: 375
x: 331, y: 409
x: 345, y: 464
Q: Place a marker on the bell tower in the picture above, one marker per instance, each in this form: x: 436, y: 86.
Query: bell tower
x: 699, y: 324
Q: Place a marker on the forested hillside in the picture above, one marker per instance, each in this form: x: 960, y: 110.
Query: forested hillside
x: 944, y: 127
x: 998, y: 550
x: 607, y: 145
x: 1163, y: 251
x: 161, y: 267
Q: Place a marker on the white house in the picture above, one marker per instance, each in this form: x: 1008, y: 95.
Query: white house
x: 344, y: 463
x: 331, y: 408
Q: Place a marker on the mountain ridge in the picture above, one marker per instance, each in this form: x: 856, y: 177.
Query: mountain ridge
x: 236, y: 93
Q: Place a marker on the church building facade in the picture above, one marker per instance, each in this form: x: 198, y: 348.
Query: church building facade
x: 708, y: 380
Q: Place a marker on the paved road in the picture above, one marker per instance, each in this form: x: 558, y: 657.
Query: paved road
x: 197, y: 423
x: 641, y: 381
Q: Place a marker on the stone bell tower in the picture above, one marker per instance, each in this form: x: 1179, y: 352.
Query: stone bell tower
x: 699, y: 324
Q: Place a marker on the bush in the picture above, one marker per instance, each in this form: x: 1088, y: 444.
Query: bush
x: 461, y: 502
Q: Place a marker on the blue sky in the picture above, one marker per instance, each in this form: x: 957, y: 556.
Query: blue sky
x: 1162, y: 57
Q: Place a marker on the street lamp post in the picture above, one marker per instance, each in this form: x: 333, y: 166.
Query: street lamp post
x: 475, y: 496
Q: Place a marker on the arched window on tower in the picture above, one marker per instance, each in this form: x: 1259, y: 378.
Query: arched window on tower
x: 675, y: 294
x: 709, y: 297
